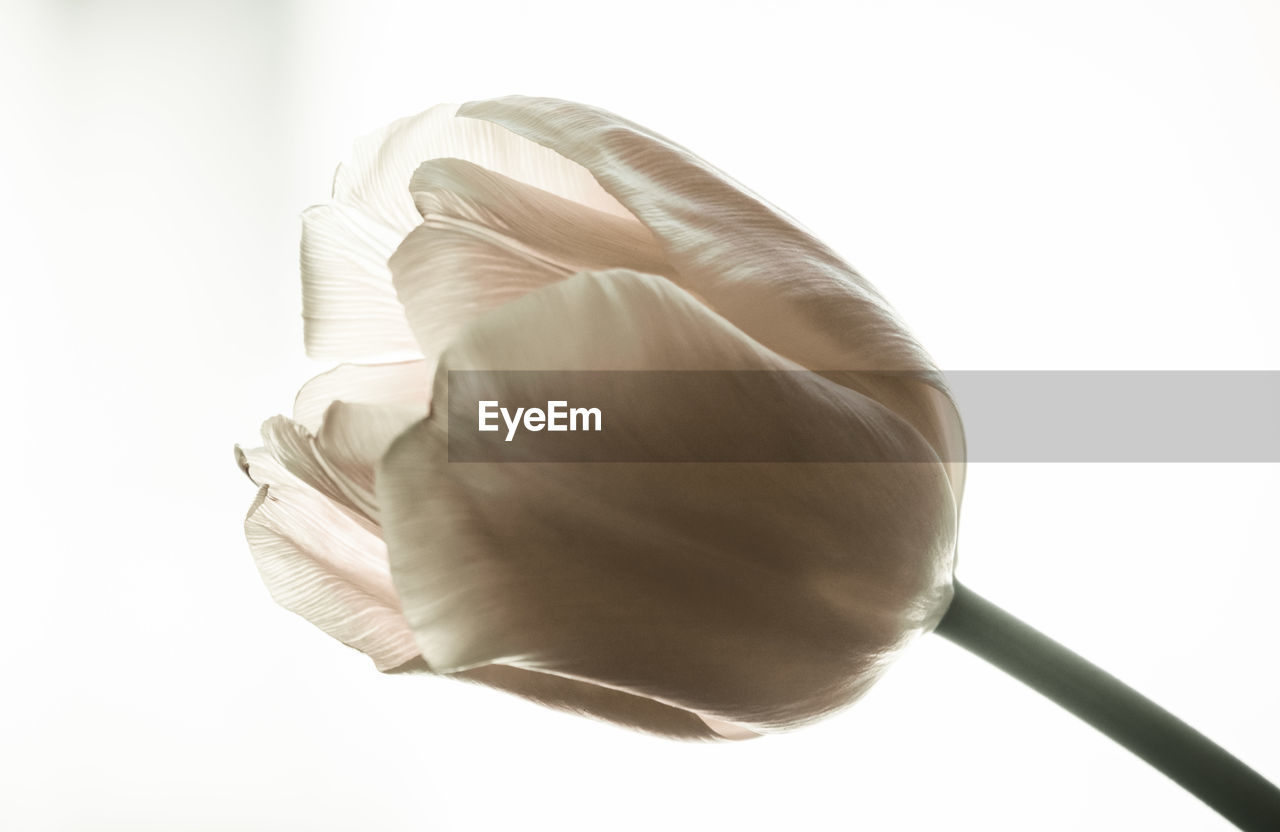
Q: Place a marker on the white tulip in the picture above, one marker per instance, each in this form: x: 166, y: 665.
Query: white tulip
x: 696, y: 600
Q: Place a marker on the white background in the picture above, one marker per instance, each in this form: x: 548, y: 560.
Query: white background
x: 1048, y: 185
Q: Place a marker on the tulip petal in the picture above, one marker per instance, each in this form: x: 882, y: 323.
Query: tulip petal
x: 405, y: 383
x: 291, y: 447
x: 349, y: 306
x: 575, y: 236
x: 487, y: 239
x: 318, y: 561
x: 352, y: 440
x: 338, y: 461
x: 764, y: 595
x: 382, y: 163
x: 447, y: 273
x: 752, y: 263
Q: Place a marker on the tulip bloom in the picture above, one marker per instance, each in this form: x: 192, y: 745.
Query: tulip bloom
x: 695, y: 600
x: 705, y: 599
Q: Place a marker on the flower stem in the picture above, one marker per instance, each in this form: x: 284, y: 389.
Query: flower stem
x: 1188, y: 757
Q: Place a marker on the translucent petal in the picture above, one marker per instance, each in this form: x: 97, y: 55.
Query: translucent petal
x: 382, y: 162
x: 752, y: 263
x: 318, y: 561
x: 487, y: 239
x: 352, y: 440
x: 764, y: 595
x: 338, y: 460
x: 349, y: 306
x: 447, y: 273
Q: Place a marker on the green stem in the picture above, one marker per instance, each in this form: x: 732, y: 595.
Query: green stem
x: 1190, y: 758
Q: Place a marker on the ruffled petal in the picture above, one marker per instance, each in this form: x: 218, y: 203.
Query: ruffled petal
x: 291, y: 447
x: 318, y: 561
x: 405, y: 383
x: 752, y: 263
x: 337, y: 461
x: 762, y: 595
x: 313, y: 528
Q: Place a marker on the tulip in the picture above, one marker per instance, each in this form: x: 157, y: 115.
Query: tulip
x: 696, y: 601
x: 708, y: 600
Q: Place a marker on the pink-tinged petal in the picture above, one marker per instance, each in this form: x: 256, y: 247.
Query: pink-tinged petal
x: 748, y: 260
x: 448, y: 272
x: 349, y: 306
x: 761, y: 595
x: 292, y: 447
x: 382, y: 163
x: 320, y: 563
x: 338, y: 460
x: 486, y: 239
x: 352, y: 440
x: 405, y: 383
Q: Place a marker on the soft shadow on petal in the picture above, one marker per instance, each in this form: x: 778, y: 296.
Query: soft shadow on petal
x: 349, y: 306
x: 319, y: 562
x: 752, y: 263
x: 766, y: 595
x: 406, y: 383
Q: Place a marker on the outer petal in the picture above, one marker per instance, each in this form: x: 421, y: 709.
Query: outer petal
x: 320, y: 562
x: 752, y: 264
x: 313, y: 528
x: 764, y: 595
